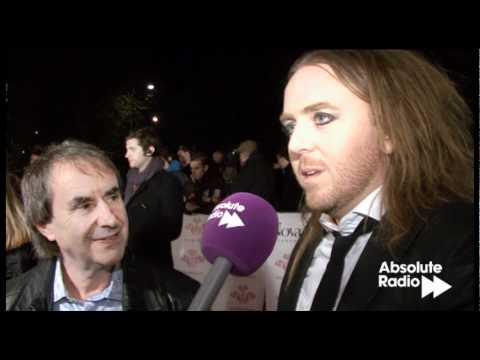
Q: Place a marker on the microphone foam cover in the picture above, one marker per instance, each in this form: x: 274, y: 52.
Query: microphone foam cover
x: 243, y: 228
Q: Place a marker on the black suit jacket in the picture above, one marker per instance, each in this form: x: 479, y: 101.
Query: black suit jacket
x: 155, y: 214
x: 256, y: 177
x: 146, y: 287
x: 445, y: 238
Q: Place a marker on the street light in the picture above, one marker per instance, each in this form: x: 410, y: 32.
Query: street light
x: 151, y: 87
x: 155, y: 119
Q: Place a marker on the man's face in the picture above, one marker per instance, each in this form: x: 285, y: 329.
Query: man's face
x: 183, y: 157
x: 243, y: 156
x: 135, y: 155
x: 218, y: 157
x: 90, y: 223
x: 333, y: 147
x: 198, y: 170
x: 34, y: 158
x: 282, y: 162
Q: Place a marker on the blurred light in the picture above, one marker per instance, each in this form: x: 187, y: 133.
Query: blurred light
x: 151, y: 87
x: 155, y: 119
x: 23, y: 152
x: 36, y: 132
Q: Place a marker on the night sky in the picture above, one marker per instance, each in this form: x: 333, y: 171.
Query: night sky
x: 211, y: 98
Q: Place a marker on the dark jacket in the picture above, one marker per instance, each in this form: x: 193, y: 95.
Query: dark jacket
x: 195, y: 193
x: 256, y: 177
x: 446, y: 238
x: 288, y: 191
x: 19, y: 261
x: 155, y: 214
x: 146, y: 288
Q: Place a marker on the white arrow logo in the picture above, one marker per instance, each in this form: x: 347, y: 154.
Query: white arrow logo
x: 437, y: 287
x: 232, y: 221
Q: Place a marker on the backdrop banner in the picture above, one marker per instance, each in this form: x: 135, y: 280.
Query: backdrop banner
x: 257, y: 292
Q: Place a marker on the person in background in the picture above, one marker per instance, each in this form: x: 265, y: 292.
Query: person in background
x: 36, y: 152
x: 288, y: 191
x: 154, y: 199
x: 218, y: 162
x: 185, y: 156
x: 256, y: 175
x: 20, y: 256
x: 207, y: 189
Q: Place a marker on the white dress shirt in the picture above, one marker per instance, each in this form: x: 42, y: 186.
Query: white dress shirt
x: 370, y: 206
x: 109, y: 299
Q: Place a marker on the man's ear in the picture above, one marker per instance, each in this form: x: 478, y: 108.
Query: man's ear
x: 387, y: 145
x: 150, y: 151
x: 46, y: 230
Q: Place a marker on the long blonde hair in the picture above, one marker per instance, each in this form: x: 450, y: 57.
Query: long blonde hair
x: 17, y: 231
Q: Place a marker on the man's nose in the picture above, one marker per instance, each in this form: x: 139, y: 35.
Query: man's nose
x: 106, y: 216
x: 302, y: 139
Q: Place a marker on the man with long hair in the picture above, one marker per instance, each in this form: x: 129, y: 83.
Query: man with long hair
x: 380, y: 142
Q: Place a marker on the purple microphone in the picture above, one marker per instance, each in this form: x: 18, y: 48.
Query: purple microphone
x: 238, y: 238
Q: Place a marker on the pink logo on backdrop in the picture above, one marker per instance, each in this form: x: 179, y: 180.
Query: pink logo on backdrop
x: 243, y: 295
x: 283, y: 263
x: 193, y: 258
x: 195, y: 227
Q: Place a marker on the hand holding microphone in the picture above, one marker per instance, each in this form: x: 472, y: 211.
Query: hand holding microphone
x: 238, y: 238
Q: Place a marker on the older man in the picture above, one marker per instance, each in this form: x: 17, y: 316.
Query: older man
x: 74, y: 205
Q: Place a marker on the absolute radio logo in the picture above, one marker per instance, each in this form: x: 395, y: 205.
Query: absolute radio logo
x: 393, y: 275
x: 229, y: 214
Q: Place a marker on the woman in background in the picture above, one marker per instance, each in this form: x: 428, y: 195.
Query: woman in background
x: 19, y: 252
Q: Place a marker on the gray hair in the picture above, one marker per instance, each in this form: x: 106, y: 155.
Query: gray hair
x: 37, y: 192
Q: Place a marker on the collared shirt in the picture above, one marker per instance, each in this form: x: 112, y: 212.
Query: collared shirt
x: 371, y: 206
x: 109, y: 299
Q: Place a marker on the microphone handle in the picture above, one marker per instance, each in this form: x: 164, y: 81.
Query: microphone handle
x: 212, y: 285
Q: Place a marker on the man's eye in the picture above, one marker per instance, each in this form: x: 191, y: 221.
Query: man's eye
x: 322, y: 118
x: 85, y: 206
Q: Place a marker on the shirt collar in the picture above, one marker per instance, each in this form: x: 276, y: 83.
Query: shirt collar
x: 114, y: 290
x: 371, y: 206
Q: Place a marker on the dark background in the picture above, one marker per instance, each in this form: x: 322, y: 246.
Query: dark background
x: 210, y: 98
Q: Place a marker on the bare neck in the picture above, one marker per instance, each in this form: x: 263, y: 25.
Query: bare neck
x: 84, y: 283
x: 145, y: 166
x: 338, y: 214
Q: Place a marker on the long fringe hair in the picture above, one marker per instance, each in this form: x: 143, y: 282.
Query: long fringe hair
x: 418, y: 107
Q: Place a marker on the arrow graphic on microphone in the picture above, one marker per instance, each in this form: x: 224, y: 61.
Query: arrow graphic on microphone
x: 232, y: 221
x: 437, y: 287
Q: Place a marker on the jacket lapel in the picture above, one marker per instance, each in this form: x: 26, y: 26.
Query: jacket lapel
x: 38, y: 292
x: 289, y: 296
x: 363, y: 284
x: 140, y: 189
